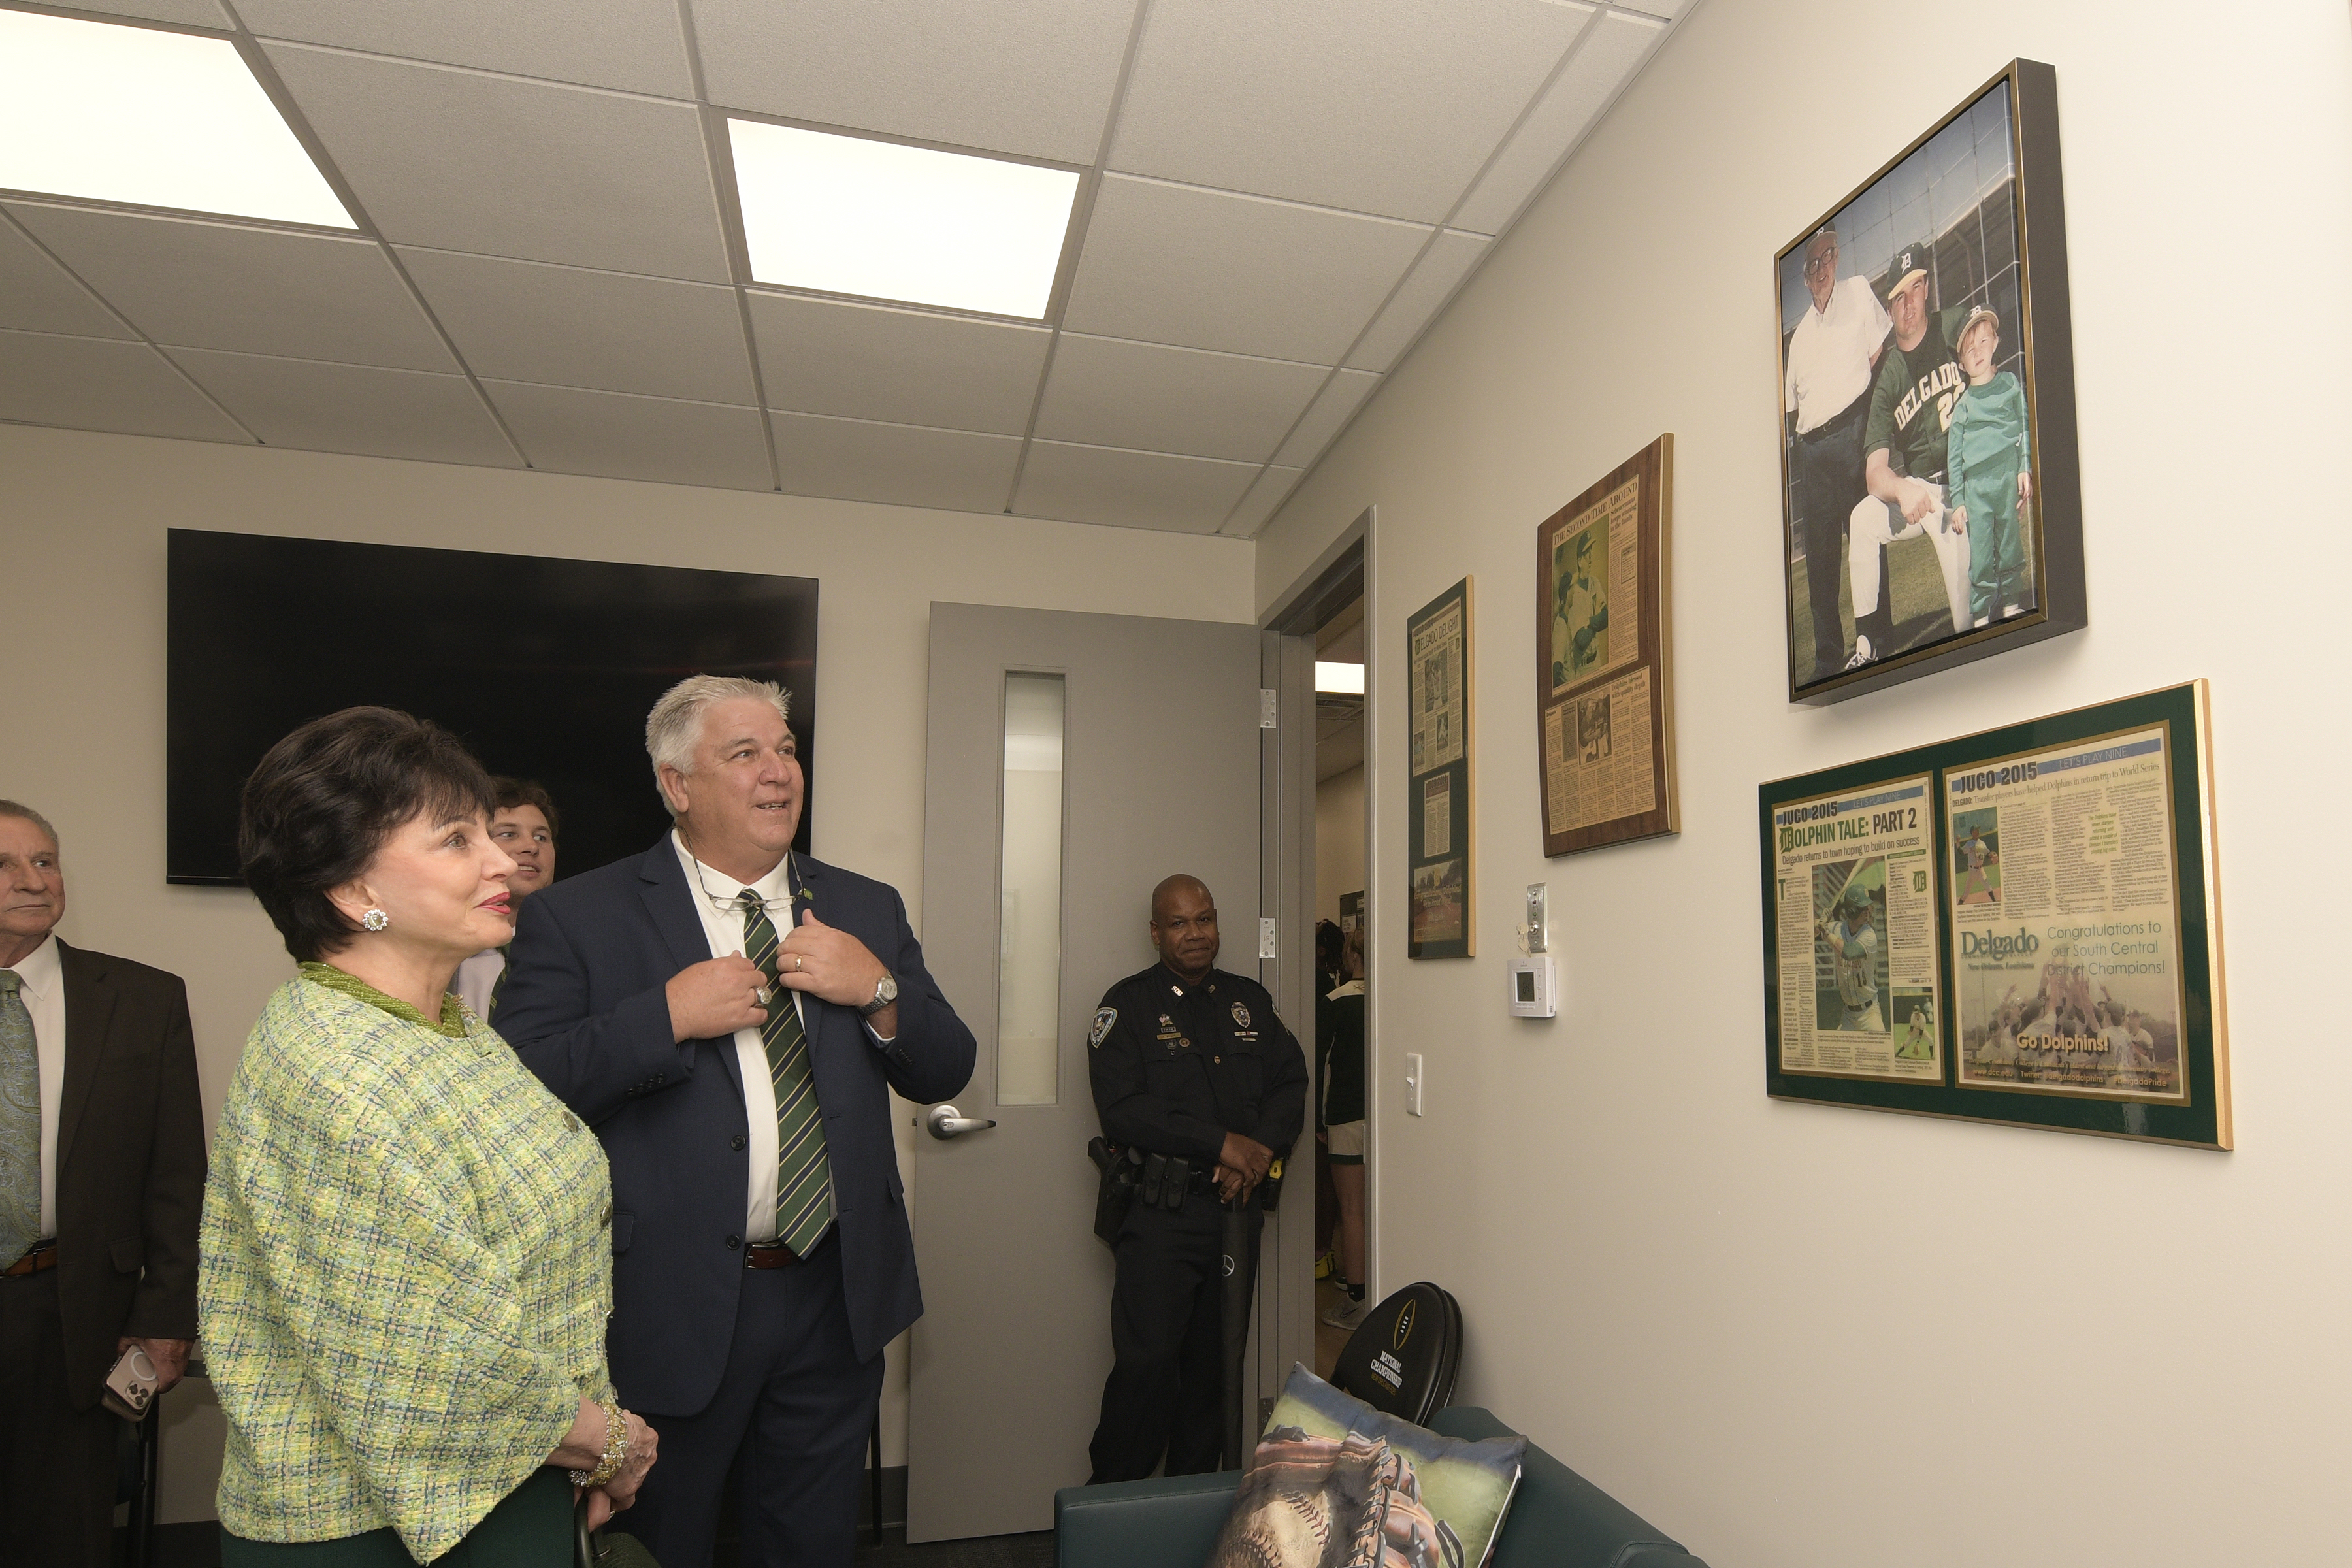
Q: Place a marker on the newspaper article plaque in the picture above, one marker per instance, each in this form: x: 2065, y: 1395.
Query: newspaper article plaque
x: 1604, y: 712
x: 2066, y: 879
x: 1443, y: 921
x: 1858, y: 894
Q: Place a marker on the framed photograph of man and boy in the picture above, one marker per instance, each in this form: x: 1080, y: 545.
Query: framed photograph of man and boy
x: 2017, y: 926
x: 1931, y: 499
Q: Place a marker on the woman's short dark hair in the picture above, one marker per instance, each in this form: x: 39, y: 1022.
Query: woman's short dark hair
x: 325, y: 799
x: 513, y: 792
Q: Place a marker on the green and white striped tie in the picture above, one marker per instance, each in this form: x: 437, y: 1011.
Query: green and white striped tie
x: 20, y: 1124
x: 803, y: 1178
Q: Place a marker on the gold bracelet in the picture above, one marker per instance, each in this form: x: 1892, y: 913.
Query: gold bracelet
x: 616, y: 1449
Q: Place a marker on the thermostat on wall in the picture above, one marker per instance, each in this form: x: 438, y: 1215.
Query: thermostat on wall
x: 1534, y: 987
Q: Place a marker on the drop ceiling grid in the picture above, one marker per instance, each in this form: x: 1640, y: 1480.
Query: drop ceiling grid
x: 1567, y: 62
x: 485, y: 67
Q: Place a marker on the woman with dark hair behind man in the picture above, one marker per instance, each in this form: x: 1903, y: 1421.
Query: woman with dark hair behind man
x: 406, y: 1262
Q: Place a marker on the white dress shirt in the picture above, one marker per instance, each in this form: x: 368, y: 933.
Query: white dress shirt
x: 1829, y: 354
x: 478, y: 977
x: 44, y: 994
x: 724, y: 931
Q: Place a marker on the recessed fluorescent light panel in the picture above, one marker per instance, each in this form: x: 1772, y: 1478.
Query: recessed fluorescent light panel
x: 1340, y: 679
x: 113, y: 113
x: 850, y: 216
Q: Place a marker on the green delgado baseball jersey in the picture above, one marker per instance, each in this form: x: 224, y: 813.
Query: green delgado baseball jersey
x: 1987, y: 438
x: 1911, y: 401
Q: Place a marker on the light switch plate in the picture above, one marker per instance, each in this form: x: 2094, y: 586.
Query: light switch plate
x: 1412, y: 1080
x: 1537, y: 931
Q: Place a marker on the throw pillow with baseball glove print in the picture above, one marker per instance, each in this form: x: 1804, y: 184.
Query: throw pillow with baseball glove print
x: 1337, y: 1484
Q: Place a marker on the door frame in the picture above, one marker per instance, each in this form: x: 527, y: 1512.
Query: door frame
x: 1285, y: 1317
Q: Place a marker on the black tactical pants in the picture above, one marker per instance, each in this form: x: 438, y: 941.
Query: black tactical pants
x: 1166, y: 1389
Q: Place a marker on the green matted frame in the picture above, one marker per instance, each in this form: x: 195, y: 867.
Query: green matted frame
x: 1440, y: 884
x: 2203, y: 1121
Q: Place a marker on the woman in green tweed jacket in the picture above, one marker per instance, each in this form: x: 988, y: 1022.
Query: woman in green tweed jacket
x: 406, y: 1250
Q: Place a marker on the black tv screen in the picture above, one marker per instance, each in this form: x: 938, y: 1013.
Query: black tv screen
x: 546, y: 667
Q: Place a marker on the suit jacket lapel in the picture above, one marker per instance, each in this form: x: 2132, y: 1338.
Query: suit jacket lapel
x: 89, y: 1008
x: 670, y: 899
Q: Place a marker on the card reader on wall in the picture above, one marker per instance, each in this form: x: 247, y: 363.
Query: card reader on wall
x: 1534, y: 987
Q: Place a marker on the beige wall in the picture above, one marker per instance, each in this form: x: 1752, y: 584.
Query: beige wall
x: 82, y: 519
x: 1338, y: 840
x: 1834, y: 1339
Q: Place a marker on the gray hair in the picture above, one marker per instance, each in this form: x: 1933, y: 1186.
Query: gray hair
x: 26, y: 813
x: 675, y: 726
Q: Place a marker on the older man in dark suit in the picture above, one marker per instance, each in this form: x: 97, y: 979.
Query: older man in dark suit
x: 731, y: 1017
x: 101, y: 1178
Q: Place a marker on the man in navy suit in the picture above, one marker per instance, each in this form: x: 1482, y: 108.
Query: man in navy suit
x: 730, y: 1017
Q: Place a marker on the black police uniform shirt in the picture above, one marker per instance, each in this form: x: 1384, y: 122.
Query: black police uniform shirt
x: 1176, y: 1065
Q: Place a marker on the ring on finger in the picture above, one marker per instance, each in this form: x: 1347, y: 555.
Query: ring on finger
x: 762, y: 995
x: 800, y: 961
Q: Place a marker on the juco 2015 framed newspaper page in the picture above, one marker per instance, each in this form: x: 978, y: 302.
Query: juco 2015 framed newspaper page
x: 1931, y: 498
x: 1605, y: 694
x: 1441, y: 829
x: 2020, y: 926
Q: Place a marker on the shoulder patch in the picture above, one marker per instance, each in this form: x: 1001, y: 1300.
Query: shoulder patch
x: 1241, y: 1015
x: 1104, y: 1018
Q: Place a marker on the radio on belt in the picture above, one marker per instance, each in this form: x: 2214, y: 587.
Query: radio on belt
x: 1535, y: 987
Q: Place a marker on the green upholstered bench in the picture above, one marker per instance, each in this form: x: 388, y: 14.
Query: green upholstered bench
x: 1559, y: 1520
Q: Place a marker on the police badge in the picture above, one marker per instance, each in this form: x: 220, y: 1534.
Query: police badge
x: 1104, y: 1018
x: 1240, y: 1016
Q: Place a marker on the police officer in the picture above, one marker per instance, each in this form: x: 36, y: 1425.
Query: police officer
x: 1191, y: 1066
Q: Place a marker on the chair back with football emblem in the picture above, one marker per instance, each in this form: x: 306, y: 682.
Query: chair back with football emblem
x: 1403, y: 1356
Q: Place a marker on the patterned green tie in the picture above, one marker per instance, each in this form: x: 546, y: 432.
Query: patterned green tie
x: 804, y: 1179
x: 20, y: 1124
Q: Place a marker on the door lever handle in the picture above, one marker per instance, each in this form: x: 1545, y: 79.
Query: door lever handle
x: 946, y: 1121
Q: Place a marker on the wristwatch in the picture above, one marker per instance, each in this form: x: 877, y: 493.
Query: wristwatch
x: 886, y: 991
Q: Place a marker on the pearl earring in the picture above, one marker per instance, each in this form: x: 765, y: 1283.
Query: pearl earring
x: 375, y: 920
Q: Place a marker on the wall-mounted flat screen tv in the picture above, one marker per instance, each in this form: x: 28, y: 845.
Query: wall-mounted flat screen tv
x: 546, y: 667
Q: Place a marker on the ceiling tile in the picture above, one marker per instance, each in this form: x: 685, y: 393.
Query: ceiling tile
x: 908, y: 367
x: 193, y: 12
x: 257, y: 290
x: 1131, y: 490
x: 1207, y: 271
x: 37, y: 295
x: 1378, y: 106
x: 1611, y: 51
x: 525, y: 321
x: 1270, y: 489
x: 858, y: 460
x: 352, y: 408
x: 460, y: 161
x: 1034, y: 78
x: 96, y: 383
x: 1107, y: 392
x: 568, y: 430
x: 1433, y: 282
x: 1332, y: 409
x: 635, y: 45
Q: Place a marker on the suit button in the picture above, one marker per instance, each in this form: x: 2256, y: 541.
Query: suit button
x: 739, y: 1143
x: 733, y: 1242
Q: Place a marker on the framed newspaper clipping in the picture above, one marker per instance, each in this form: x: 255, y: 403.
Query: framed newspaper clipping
x: 2020, y: 926
x: 1604, y: 696
x: 1441, y: 830
x: 1931, y: 501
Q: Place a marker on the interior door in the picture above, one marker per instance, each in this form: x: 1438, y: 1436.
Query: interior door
x: 1157, y: 771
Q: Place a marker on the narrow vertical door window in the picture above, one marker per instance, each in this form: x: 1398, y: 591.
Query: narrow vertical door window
x: 1029, y: 950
